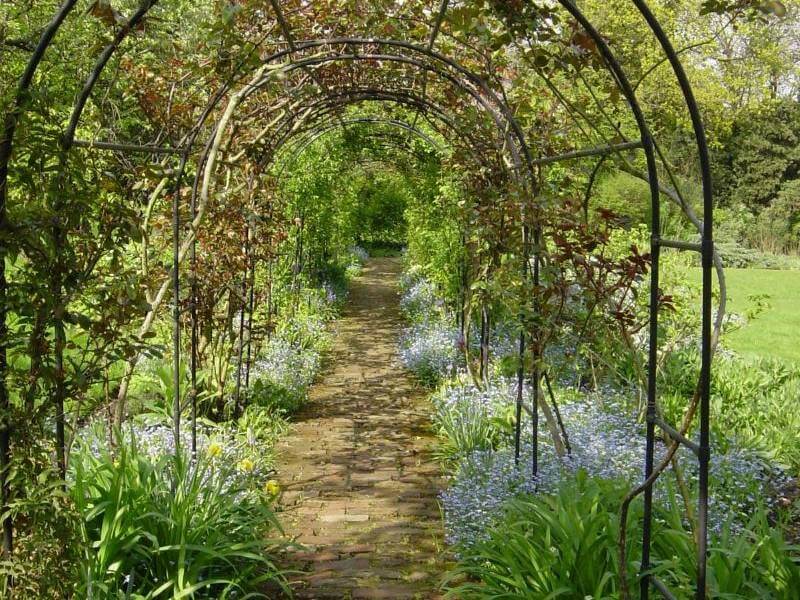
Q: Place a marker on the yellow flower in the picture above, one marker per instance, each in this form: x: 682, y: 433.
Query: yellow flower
x: 214, y: 449
x: 246, y: 465
x: 272, y: 487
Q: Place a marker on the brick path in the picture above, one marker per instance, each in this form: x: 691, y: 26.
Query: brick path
x: 358, y: 478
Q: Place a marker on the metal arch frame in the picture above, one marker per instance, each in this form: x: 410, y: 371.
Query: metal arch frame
x: 706, y: 246
x: 342, y: 97
x: 404, y: 98
x: 466, y: 74
x: 302, y: 142
x: 504, y: 111
x: 314, y: 135
x: 348, y: 100
x: 323, y: 107
x: 206, y: 166
x: 355, y: 96
x: 397, y: 124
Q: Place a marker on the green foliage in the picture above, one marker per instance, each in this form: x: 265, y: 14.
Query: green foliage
x: 625, y: 195
x: 737, y: 256
x: 45, y: 553
x: 168, y: 526
x: 562, y: 545
x: 753, y: 401
x: 763, y: 154
x: 565, y: 545
x: 382, y: 201
x: 464, y: 425
x: 436, y: 244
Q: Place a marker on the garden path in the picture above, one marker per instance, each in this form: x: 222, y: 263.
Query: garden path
x: 359, y: 480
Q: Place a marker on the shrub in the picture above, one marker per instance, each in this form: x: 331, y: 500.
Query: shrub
x: 754, y: 402
x: 281, y: 377
x: 419, y: 301
x: 469, y: 419
x: 738, y: 256
x: 626, y: 195
x: 42, y: 565
x: 290, y: 360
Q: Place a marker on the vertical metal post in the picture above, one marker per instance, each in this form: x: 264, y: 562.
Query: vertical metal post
x: 5, y: 405
x: 194, y: 325
x: 251, y: 307
x: 707, y: 250
x: 535, y: 424
x: 536, y: 354
x: 521, y: 356
x: 176, y: 309
x: 60, y: 345
x: 59, y: 309
x: 462, y: 286
x: 647, y: 145
x: 270, y: 271
x: 243, y: 306
x: 704, y: 454
x: 655, y: 250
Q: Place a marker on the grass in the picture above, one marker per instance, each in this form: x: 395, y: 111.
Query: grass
x: 773, y: 333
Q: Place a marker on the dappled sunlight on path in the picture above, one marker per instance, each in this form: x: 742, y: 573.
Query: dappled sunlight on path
x: 359, y: 481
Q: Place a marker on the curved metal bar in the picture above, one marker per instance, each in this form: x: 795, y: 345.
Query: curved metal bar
x: 424, y: 106
x: 102, y: 61
x: 353, y: 96
x: 479, y: 158
x: 440, y: 58
x: 324, y: 127
x: 297, y: 150
x: 504, y: 113
x: 408, y: 99
x: 455, y: 82
x: 350, y: 97
x: 371, y: 95
x: 203, y: 164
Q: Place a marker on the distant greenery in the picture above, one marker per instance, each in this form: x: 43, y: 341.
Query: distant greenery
x: 760, y: 171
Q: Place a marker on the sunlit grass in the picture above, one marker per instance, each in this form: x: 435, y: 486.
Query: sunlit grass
x: 774, y: 332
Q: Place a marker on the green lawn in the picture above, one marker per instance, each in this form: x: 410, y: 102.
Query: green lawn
x: 776, y: 331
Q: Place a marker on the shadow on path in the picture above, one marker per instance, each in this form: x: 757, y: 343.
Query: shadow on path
x: 359, y: 481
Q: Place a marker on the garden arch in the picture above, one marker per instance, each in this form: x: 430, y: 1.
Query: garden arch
x: 309, y: 118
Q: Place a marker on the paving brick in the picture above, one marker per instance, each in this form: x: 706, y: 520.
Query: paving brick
x: 359, y: 479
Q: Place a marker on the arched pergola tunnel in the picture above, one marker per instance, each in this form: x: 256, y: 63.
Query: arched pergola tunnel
x: 289, y: 87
